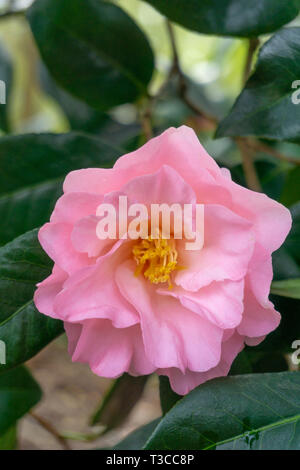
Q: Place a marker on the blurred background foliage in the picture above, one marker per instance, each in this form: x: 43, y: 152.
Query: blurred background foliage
x: 214, y: 70
x: 213, y: 64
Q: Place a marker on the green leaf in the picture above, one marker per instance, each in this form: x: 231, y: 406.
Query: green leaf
x: 6, y: 77
x: 259, y: 411
x: 291, y: 190
x: 287, y: 288
x: 284, y: 265
x: 25, y: 209
x: 229, y: 17
x: 241, y: 364
x: 271, y: 362
x: 168, y: 398
x: 293, y: 239
x: 137, y: 439
x: 19, y: 392
x: 32, y: 168
x: 80, y: 115
x: 23, y: 329
x: 119, y: 401
x: 28, y: 159
x: 104, y: 58
x: 8, y: 440
x: 265, y: 107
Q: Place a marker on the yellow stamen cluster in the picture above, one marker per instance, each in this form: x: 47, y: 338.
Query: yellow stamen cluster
x: 156, y: 259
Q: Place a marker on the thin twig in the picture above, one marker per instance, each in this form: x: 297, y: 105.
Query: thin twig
x: 146, y: 121
x: 146, y: 114
x: 248, y: 165
x: 182, y: 86
x: 176, y: 63
x: 253, y: 45
x: 244, y: 144
x: 51, y: 429
x: 251, y: 176
x: 265, y: 148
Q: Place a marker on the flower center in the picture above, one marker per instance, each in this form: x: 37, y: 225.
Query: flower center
x: 156, y: 259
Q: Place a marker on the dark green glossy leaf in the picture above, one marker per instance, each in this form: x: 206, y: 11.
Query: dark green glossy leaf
x: 293, y: 240
x: 271, y: 362
x: 241, y: 364
x: 6, y: 76
x: 23, y: 329
x: 119, y: 401
x: 32, y: 168
x: 291, y: 189
x: 137, y: 439
x: 19, y: 392
x: 229, y: 17
x: 258, y: 411
x: 168, y: 398
x: 104, y: 58
x: 25, y: 209
x: 251, y: 360
x: 80, y: 115
x: 31, y: 158
x: 284, y: 265
x: 287, y: 288
x: 265, y: 107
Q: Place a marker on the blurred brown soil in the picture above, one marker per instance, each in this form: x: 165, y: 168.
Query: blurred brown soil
x: 71, y: 394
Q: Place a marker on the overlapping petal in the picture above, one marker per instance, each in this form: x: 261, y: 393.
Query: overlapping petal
x: 118, y: 321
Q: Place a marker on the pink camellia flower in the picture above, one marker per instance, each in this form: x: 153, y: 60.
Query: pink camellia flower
x: 127, y: 305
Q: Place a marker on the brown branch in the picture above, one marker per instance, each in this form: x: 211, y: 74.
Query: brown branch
x: 244, y: 144
x: 265, y: 148
x: 182, y: 86
x: 146, y: 121
x: 253, y: 45
x: 50, y: 429
x: 176, y: 63
x: 248, y: 165
x: 251, y: 176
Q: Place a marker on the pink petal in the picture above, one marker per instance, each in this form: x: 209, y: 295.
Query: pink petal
x: 260, y: 273
x: 220, y: 302
x: 85, y: 240
x: 141, y: 364
x: 108, y: 350
x: 74, y: 206
x: 73, y: 331
x: 227, y: 250
x: 47, y: 291
x: 184, y: 383
x: 56, y: 241
x: 95, y: 180
x: 254, y: 341
x: 272, y: 221
x: 173, y: 336
x: 258, y: 320
x: 178, y: 148
x: 93, y: 293
x: 163, y: 186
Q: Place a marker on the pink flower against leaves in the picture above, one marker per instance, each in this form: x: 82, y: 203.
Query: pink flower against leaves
x: 122, y: 317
